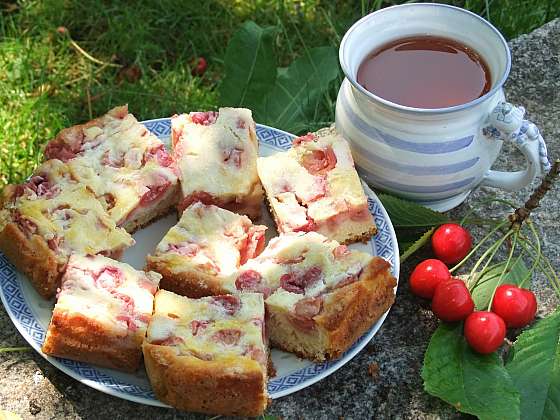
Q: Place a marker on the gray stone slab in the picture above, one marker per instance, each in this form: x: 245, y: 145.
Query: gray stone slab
x: 31, y: 387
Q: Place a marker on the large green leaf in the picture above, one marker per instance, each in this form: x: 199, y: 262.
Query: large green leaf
x: 406, y: 214
x: 250, y: 67
x: 299, y: 90
x: 473, y: 383
x: 489, y: 280
x: 534, y: 366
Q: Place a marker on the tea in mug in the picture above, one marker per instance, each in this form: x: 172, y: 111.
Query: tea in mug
x: 425, y: 72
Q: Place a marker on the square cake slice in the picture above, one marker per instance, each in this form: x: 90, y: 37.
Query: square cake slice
x: 209, y: 355
x: 126, y: 166
x: 216, y: 153
x: 102, y: 313
x: 50, y: 217
x: 314, y: 187
x: 320, y: 296
x: 198, y: 255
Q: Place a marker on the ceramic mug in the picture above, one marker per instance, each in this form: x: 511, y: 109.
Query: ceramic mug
x: 433, y: 156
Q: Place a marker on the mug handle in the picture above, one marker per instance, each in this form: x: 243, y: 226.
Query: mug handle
x: 506, y: 123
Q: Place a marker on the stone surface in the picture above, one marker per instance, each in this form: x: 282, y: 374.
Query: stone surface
x: 33, y: 388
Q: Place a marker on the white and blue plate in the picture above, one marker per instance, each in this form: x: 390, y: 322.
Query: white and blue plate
x: 31, y: 314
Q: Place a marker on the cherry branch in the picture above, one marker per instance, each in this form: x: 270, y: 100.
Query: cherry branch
x: 522, y: 213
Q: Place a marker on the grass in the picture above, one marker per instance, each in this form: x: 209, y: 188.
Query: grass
x: 63, y: 62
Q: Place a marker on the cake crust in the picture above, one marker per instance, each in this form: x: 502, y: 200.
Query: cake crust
x: 102, y: 312
x: 211, y: 387
x: 192, y: 283
x: 352, y: 310
x: 33, y: 257
x: 347, y: 313
x: 76, y: 337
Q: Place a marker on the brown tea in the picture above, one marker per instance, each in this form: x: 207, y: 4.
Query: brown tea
x: 425, y: 72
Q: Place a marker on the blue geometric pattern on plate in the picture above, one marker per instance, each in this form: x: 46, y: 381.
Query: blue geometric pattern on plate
x: 383, y: 244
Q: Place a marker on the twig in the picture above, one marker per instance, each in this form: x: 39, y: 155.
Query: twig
x: 65, y: 31
x: 90, y: 57
x: 534, y: 200
x: 12, y: 349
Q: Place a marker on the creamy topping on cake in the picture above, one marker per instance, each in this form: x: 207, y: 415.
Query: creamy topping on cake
x: 304, y: 263
x: 65, y: 214
x: 216, y: 154
x: 314, y: 187
x: 297, y: 269
x: 210, y: 239
x: 125, y: 165
x: 211, y: 328
x: 108, y: 291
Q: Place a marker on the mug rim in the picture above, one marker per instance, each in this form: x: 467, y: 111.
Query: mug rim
x: 497, y: 86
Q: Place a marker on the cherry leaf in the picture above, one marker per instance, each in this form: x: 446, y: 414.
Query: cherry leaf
x: 250, y: 65
x: 299, y: 89
x: 534, y: 366
x: 473, y: 383
x: 406, y: 214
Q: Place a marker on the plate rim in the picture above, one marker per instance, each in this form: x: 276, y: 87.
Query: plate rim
x: 336, y: 364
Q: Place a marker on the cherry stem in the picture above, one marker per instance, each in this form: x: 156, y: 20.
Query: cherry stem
x: 492, y: 267
x: 551, y: 276
x: 538, y: 256
x: 522, y: 213
x: 489, y: 253
x: 550, y: 273
x: 482, y: 241
x: 510, y: 256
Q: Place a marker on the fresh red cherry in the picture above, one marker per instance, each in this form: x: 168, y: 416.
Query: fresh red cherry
x: 198, y: 66
x: 426, y: 276
x: 451, y: 243
x: 515, y: 305
x: 452, y: 301
x: 485, y: 331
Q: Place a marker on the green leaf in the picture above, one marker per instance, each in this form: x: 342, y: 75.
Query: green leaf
x: 406, y: 214
x: 411, y: 248
x: 250, y: 66
x: 534, y: 366
x: 473, y: 383
x: 482, y: 293
x: 299, y: 90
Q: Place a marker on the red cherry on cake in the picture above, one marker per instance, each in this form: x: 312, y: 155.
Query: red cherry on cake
x: 451, y: 243
x: 517, y: 306
x: 427, y: 276
x: 452, y: 301
x: 485, y: 331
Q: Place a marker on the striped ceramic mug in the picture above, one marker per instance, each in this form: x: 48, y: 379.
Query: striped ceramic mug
x: 433, y: 156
